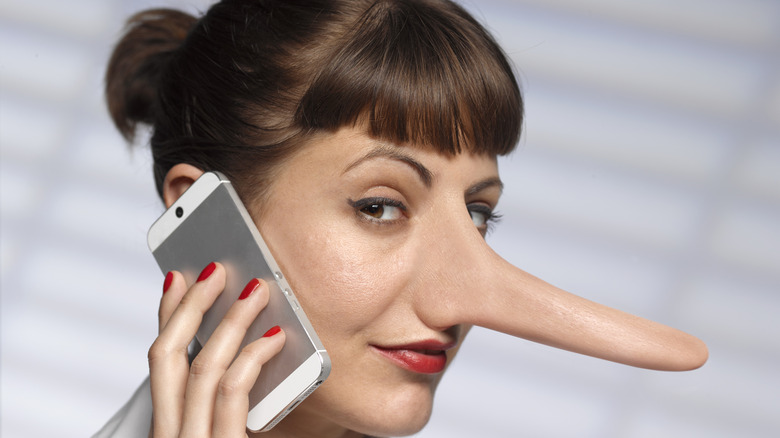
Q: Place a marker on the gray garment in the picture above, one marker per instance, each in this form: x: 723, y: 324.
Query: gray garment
x: 134, y: 419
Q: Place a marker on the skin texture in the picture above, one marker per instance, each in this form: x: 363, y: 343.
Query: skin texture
x: 384, y: 246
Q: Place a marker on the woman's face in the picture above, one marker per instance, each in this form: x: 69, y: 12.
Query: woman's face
x: 361, y: 229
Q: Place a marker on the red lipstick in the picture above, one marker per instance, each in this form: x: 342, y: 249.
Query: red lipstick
x: 426, y: 357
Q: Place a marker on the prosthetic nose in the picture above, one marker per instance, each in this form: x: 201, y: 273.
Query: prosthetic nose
x: 476, y: 286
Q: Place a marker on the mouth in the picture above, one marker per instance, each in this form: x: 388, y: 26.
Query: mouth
x: 427, y: 357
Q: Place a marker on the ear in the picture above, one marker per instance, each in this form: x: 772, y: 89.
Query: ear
x: 179, y: 179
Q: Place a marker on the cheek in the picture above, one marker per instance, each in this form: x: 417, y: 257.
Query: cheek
x: 342, y: 278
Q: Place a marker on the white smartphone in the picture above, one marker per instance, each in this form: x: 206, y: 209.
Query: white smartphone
x: 209, y: 223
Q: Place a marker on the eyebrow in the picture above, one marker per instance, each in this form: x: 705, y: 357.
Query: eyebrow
x: 383, y: 151
x: 485, y: 184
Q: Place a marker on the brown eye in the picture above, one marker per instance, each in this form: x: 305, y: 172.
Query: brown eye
x: 382, y: 212
x: 374, y: 210
x: 379, y: 209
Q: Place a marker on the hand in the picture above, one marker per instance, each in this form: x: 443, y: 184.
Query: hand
x: 211, y: 396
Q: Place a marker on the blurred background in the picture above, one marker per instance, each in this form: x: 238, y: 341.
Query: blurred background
x: 648, y: 179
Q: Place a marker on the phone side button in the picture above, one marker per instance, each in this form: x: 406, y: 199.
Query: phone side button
x: 295, y: 304
x: 287, y: 292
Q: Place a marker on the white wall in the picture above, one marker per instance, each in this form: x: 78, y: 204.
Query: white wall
x: 648, y: 179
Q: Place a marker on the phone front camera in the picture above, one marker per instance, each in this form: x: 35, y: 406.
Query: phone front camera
x: 179, y: 212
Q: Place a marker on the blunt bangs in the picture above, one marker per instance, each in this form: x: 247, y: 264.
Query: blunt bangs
x: 422, y: 75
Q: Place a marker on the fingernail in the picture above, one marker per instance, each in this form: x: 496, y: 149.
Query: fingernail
x: 207, y: 271
x: 249, y: 288
x: 272, y: 331
x: 168, y: 281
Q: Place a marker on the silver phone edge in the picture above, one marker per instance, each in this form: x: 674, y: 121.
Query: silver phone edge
x: 165, y: 225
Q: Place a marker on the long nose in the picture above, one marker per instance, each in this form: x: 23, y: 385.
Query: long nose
x: 474, y: 285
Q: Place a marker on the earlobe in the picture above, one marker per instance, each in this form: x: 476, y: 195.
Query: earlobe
x: 178, y: 180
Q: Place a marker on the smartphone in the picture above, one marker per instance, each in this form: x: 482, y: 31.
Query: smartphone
x: 209, y: 223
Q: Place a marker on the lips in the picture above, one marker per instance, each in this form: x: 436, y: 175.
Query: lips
x: 427, y: 357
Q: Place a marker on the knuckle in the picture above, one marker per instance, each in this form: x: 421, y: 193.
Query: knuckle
x: 187, y: 299
x: 258, y: 352
x: 158, y: 351
x: 200, y: 367
x: 253, y: 350
x: 228, y: 388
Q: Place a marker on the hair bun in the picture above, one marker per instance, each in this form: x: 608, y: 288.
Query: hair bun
x: 136, y: 65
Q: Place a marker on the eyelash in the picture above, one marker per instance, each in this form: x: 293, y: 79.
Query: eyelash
x: 491, y: 217
x: 362, y: 204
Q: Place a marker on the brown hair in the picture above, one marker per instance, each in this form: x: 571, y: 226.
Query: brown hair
x: 240, y: 89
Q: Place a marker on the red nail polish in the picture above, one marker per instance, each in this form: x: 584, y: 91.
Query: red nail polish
x: 207, y: 271
x: 167, y: 282
x: 249, y: 288
x: 272, y: 331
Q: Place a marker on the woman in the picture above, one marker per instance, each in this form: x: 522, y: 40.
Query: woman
x: 362, y: 136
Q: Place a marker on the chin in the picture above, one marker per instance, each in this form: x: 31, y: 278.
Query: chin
x: 380, y: 412
x: 394, y: 425
x: 398, y: 415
